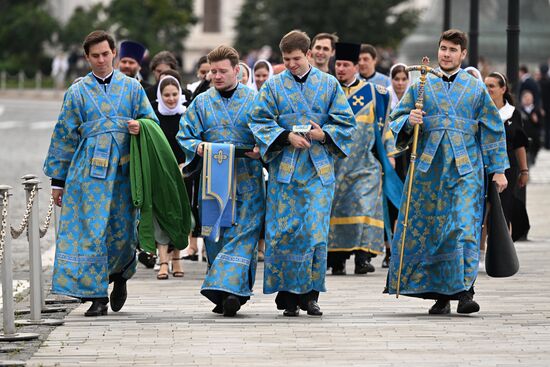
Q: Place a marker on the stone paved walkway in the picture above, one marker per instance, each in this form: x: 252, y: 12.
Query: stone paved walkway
x: 169, y: 323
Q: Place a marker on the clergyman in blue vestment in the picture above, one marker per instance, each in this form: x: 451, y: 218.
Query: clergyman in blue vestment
x: 231, y: 224
x: 462, y: 138
x: 301, y: 121
x: 88, y: 161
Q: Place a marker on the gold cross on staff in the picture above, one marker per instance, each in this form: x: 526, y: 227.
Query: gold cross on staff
x: 220, y: 157
x: 358, y: 101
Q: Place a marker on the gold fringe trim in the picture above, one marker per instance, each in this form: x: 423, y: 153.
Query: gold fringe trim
x: 100, y: 162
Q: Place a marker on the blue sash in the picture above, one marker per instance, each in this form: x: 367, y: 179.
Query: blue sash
x: 218, y: 189
x: 391, y: 183
x: 111, y: 122
x: 302, y: 114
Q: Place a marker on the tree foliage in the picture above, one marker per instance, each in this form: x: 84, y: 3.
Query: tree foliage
x: 26, y: 28
x: 158, y: 24
x: 81, y: 23
x: 379, y: 22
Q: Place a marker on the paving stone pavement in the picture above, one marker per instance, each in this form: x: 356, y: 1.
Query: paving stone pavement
x: 169, y: 323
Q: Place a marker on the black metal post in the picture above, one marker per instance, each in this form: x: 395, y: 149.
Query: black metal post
x: 446, y: 14
x: 474, y: 33
x: 512, y: 49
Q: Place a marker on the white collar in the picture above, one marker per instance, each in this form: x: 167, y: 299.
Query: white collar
x: 350, y: 84
x: 450, y: 75
x: 506, y: 112
x: 304, y: 74
x: 107, y: 77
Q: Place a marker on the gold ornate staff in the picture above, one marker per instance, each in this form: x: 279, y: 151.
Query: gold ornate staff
x: 419, y: 104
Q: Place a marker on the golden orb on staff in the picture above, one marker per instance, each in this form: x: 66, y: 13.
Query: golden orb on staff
x: 419, y: 104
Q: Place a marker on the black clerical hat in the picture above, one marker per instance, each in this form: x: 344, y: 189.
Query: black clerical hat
x: 347, y: 51
x: 133, y: 50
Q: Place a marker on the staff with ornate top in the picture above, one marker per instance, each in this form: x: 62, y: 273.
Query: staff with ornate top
x: 417, y: 116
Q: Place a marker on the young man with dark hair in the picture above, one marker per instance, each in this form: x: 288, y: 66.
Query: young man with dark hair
x: 88, y: 162
x: 213, y: 128
x: 322, y: 50
x: 367, y: 67
x: 462, y: 138
x: 302, y: 122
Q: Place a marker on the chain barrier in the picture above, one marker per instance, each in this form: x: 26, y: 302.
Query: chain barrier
x: 48, y: 219
x: 3, y: 229
x: 15, y: 233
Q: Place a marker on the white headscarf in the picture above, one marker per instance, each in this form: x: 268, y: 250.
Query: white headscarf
x: 250, y: 81
x: 476, y: 71
x: 394, y: 99
x: 269, y: 73
x: 165, y: 110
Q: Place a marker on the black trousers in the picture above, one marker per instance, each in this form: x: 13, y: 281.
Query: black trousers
x: 287, y: 300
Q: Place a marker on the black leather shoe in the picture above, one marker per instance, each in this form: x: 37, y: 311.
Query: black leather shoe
x: 364, y: 268
x: 147, y: 259
x: 441, y: 307
x: 291, y: 312
x: 98, y: 308
x: 118, y: 295
x: 466, y: 304
x: 313, y: 309
x: 218, y: 309
x: 231, y: 305
x: 193, y: 257
x: 339, y: 269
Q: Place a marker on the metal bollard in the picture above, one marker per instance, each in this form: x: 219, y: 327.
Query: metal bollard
x: 7, y: 274
x: 3, y: 77
x: 37, y: 301
x: 21, y: 80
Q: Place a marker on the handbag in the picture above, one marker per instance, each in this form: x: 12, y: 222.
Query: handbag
x: 501, y: 259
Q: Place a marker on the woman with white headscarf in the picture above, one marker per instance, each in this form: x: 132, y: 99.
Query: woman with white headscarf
x: 400, y: 80
x: 262, y: 71
x: 245, y: 75
x: 169, y: 108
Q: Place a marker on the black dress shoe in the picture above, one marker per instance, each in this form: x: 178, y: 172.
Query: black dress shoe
x: 193, y: 257
x: 364, y: 268
x: 118, y: 295
x: 291, y: 312
x: 231, y: 305
x: 339, y: 269
x: 147, y: 259
x: 466, y: 304
x: 441, y: 307
x: 98, y: 308
x: 313, y: 309
x: 218, y: 309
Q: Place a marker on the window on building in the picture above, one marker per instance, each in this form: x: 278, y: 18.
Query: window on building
x: 211, y: 20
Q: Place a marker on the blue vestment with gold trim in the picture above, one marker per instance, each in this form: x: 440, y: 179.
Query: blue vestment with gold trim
x: 233, y: 258
x: 462, y: 132
x: 301, y: 181
x: 90, y: 151
x: 357, y: 218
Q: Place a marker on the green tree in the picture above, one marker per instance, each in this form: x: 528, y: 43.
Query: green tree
x: 158, y: 24
x: 379, y: 22
x: 81, y: 23
x: 26, y: 28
